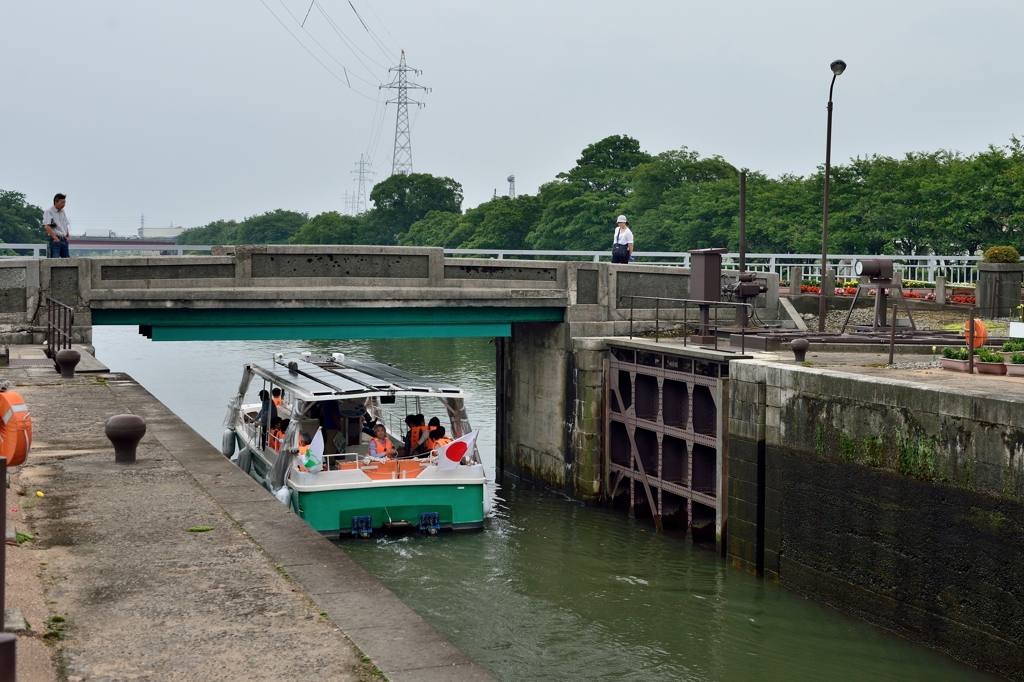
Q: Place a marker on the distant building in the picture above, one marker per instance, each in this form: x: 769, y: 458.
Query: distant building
x: 160, y: 232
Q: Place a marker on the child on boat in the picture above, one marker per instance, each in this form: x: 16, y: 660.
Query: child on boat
x: 437, y: 438
x: 276, y: 434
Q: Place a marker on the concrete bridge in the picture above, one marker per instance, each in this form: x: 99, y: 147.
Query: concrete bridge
x: 333, y: 292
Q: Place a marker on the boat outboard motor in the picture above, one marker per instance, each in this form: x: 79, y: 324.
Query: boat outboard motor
x: 227, y: 443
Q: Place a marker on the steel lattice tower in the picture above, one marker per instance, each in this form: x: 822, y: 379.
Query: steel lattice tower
x: 361, y: 172
x: 401, y: 159
x: 512, y: 186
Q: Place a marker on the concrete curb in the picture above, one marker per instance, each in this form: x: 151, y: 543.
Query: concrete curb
x: 399, y: 641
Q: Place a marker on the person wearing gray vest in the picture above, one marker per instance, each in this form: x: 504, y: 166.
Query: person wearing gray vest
x: 57, y: 227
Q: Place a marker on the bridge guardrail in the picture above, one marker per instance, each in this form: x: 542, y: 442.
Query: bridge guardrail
x: 958, y: 270
x: 39, y: 250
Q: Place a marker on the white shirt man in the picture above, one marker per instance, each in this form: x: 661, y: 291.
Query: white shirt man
x: 55, y: 222
x: 622, y: 242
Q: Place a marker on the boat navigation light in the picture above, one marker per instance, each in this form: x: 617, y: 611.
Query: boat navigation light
x: 338, y: 357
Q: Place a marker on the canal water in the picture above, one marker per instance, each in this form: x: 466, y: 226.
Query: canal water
x: 553, y: 589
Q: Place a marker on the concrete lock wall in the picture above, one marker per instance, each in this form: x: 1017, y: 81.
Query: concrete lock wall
x: 899, y: 503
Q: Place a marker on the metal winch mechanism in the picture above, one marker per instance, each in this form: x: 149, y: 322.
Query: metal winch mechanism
x: 743, y: 290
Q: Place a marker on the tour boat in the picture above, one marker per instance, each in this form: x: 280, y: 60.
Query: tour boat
x: 353, y: 494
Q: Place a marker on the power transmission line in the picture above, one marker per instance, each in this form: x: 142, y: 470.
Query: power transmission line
x: 361, y: 172
x: 401, y: 159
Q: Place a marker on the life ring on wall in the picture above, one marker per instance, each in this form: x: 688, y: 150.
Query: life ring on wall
x: 980, y: 333
x: 15, y: 428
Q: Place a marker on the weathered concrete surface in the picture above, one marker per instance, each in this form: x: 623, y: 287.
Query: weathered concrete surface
x: 262, y: 596
x: 899, y: 500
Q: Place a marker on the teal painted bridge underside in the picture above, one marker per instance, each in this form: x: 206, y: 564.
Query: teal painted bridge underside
x: 184, y: 324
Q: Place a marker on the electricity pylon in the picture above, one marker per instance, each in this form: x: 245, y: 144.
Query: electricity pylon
x: 401, y: 159
x: 361, y: 172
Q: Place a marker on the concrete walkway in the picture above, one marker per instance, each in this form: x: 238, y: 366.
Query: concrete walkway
x: 260, y: 597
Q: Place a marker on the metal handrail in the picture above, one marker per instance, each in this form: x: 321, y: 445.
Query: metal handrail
x: 686, y: 328
x: 39, y: 250
x: 60, y: 319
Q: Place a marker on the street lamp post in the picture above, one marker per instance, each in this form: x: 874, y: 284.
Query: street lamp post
x: 838, y: 66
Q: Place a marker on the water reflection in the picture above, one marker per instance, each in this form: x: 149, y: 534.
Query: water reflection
x: 552, y: 589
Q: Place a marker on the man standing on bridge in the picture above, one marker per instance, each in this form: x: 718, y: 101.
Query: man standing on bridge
x: 57, y: 227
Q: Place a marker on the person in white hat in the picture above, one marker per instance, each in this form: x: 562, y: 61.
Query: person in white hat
x: 622, y: 242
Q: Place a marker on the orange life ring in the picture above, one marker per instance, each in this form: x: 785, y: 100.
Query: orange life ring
x: 980, y: 333
x: 15, y: 428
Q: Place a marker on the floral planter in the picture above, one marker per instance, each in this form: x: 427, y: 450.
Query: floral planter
x: 955, y: 365
x: 990, y: 367
x: 1014, y: 370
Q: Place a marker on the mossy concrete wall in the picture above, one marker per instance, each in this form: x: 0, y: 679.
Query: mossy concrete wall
x: 897, y: 502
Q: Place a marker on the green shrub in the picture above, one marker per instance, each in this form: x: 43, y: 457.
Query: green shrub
x: 1013, y: 346
x: 1001, y: 254
x: 955, y: 353
x: 986, y: 355
x: 1017, y: 358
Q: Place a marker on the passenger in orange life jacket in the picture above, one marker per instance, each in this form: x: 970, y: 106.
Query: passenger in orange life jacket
x: 380, y: 446
x: 418, y: 434
x: 276, y: 434
x: 304, y: 440
x: 437, y: 438
x: 278, y: 400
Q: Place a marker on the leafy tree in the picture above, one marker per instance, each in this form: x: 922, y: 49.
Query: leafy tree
x: 401, y: 200
x: 437, y: 228
x: 329, y: 228
x: 505, y: 223
x: 20, y: 221
x: 218, y: 232
x: 272, y: 227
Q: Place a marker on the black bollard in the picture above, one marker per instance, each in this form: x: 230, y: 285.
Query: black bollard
x: 125, y: 431
x: 799, y: 347
x: 8, y: 656
x: 67, y: 360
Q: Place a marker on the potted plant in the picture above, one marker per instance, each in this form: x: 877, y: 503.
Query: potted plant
x: 1015, y: 367
x: 990, y: 362
x: 954, y: 359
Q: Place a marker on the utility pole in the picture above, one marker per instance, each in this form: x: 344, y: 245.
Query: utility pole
x: 401, y: 159
x: 512, y: 186
x: 361, y: 172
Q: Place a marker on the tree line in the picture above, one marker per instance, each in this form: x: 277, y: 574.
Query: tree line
x: 923, y: 203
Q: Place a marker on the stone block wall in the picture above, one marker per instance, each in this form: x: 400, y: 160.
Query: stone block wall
x: 897, y: 502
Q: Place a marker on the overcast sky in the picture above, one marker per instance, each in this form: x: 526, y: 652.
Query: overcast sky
x: 190, y: 111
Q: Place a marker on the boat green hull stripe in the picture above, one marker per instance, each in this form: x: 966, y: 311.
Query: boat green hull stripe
x: 332, y: 510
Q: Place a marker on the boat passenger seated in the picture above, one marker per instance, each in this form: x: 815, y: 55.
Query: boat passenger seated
x: 437, y: 438
x: 380, y: 447
x: 369, y: 425
x: 304, y: 441
x: 276, y: 396
x: 276, y: 434
x: 417, y: 436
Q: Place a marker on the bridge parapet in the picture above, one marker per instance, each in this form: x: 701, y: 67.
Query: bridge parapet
x: 295, y: 284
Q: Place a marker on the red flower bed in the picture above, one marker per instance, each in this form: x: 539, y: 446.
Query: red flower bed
x: 911, y: 294
x: 810, y: 289
x: 968, y: 300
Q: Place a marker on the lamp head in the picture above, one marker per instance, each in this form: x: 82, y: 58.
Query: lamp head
x: 838, y: 66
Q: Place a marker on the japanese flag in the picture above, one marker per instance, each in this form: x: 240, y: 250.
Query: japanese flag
x: 449, y: 456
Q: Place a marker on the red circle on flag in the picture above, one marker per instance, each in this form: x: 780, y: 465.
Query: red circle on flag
x: 455, y: 451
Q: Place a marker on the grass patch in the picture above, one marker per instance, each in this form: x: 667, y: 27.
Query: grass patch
x: 25, y: 537
x: 200, y: 529
x: 54, y: 628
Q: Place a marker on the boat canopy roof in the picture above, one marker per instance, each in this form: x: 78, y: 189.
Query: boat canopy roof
x: 314, y: 378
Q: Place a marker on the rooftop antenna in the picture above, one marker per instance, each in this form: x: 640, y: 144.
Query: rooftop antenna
x: 512, y: 186
x: 401, y: 160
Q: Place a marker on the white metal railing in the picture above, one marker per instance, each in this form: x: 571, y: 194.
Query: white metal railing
x: 39, y: 250
x: 956, y: 269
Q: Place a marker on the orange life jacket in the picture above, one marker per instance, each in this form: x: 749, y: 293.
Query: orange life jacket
x: 382, y: 447
x: 417, y: 433
x: 278, y: 401
x: 15, y: 428
x: 276, y: 438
